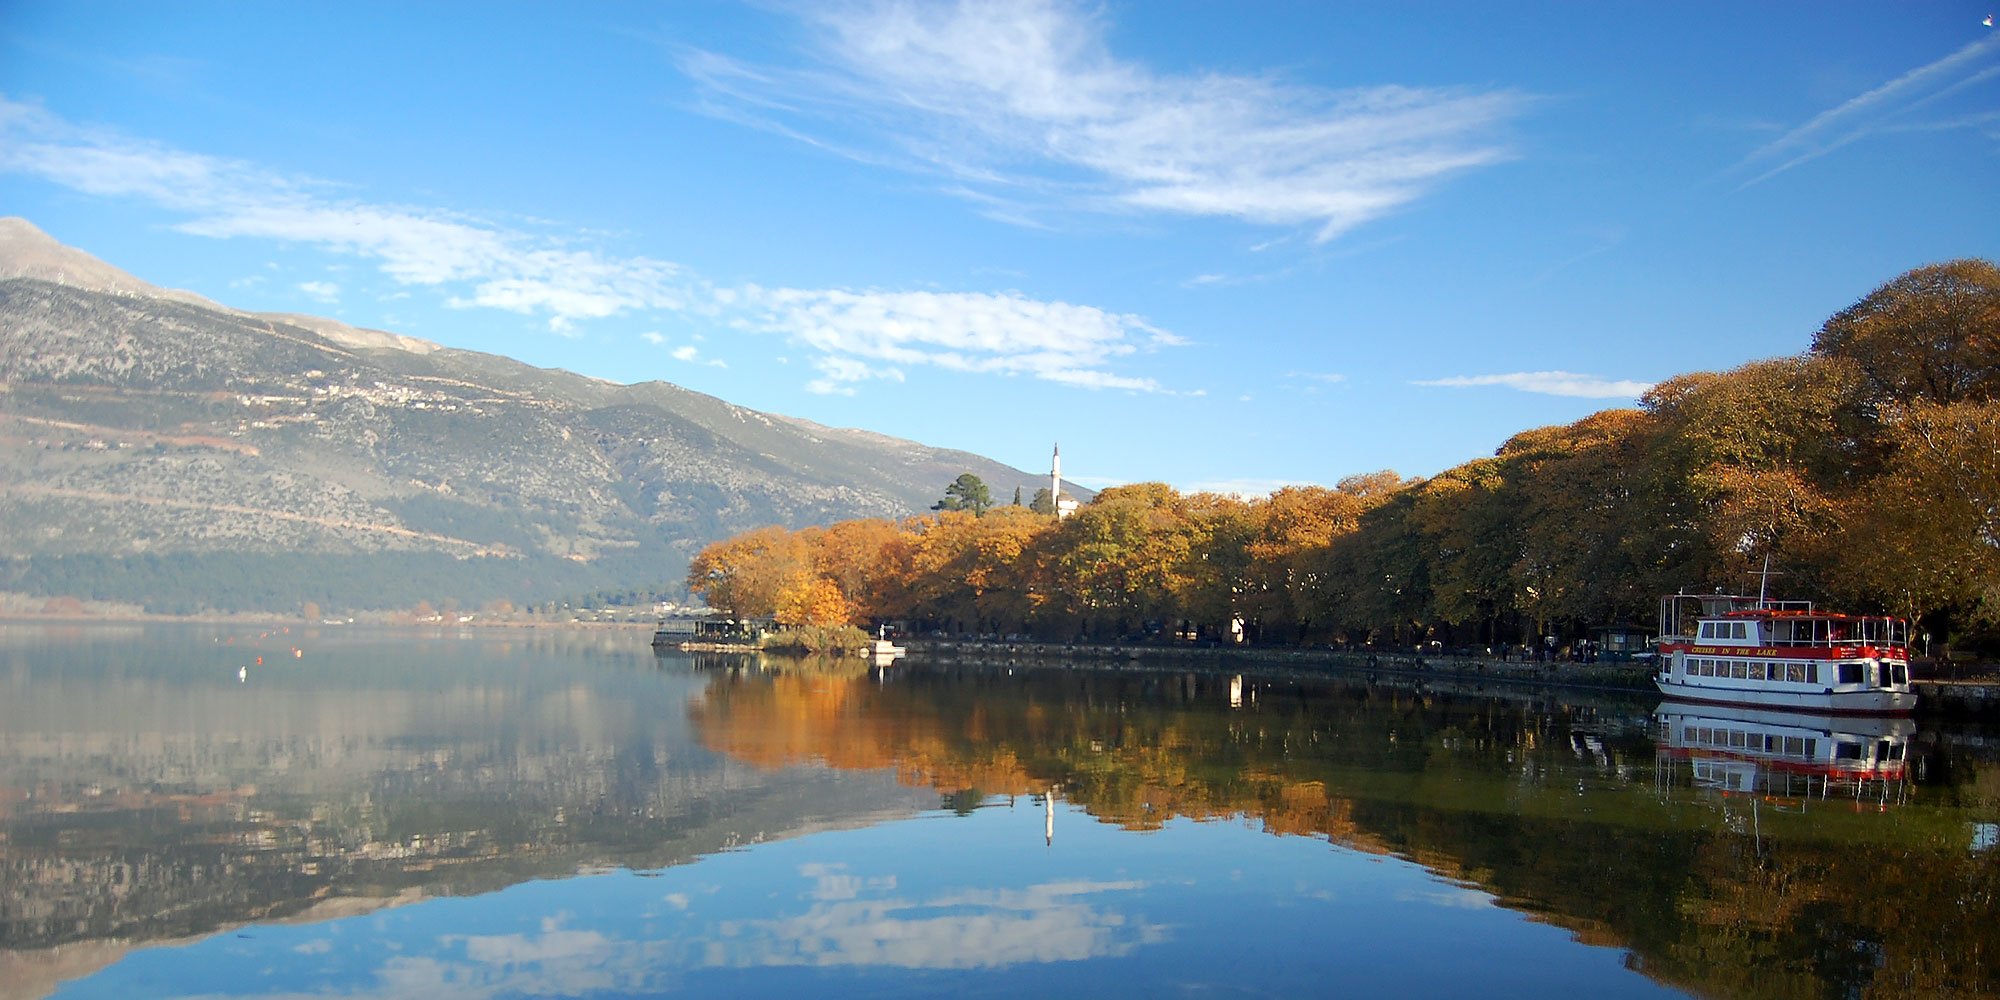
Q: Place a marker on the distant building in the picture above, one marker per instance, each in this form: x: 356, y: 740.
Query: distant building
x: 1065, y: 504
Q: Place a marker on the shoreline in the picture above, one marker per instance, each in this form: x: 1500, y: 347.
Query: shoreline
x: 141, y: 618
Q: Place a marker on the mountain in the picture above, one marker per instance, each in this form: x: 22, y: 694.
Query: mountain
x: 157, y: 447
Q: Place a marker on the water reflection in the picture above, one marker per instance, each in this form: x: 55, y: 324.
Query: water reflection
x: 1591, y: 815
x: 738, y: 826
x: 1795, y: 757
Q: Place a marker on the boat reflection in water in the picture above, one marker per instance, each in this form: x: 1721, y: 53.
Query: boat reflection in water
x: 1776, y: 754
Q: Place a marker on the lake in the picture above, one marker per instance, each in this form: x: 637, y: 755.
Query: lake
x: 202, y: 811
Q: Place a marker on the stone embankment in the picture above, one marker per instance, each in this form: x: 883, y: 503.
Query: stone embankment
x: 1627, y: 676
x: 1957, y: 697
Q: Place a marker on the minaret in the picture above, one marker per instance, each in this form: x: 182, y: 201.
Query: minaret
x: 1055, y: 480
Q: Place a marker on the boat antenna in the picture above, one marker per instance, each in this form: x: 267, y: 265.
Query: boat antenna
x: 1764, y: 583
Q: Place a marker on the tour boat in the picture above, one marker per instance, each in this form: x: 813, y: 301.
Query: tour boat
x: 1730, y: 650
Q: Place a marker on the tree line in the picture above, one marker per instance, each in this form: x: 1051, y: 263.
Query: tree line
x: 1867, y: 468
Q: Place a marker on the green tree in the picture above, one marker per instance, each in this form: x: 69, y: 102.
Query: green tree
x: 968, y: 493
x: 1043, y: 503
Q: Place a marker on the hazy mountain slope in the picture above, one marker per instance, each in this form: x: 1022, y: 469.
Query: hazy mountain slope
x: 136, y: 425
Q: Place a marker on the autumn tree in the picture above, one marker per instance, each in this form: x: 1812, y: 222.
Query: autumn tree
x: 1214, y: 585
x: 1932, y: 334
x: 742, y: 576
x: 1120, y: 558
x: 806, y: 599
x: 976, y: 570
x: 869, y: 560
x: 1926, y: 536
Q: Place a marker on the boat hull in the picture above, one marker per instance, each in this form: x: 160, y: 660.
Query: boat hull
x: 1874, y: 701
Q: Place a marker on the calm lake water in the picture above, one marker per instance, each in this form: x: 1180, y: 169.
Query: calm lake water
x: 443, y: 816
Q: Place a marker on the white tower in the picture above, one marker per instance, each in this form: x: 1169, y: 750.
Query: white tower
x: 1055, y: 479
x: 1065, y: 506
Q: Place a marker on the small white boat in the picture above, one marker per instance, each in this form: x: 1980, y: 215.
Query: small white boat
x: 880, y: 649
x: 1725, y: 649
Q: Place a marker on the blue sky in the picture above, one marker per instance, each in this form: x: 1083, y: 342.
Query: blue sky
x: 1221, y: 245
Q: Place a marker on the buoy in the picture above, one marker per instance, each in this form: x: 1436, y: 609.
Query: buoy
x: 243, y: 675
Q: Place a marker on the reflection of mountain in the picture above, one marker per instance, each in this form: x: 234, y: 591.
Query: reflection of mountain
x: 1554, y: 809
x: 145, y: 793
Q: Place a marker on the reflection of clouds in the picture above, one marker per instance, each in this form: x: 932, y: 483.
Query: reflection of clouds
x: 956, y: 929
x: 518, y: 949
x: 972, y: 929
x: 831, y: 883
x: 1456, y: 899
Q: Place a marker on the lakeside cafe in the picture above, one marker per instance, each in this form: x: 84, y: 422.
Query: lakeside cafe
x: 1621, y: 643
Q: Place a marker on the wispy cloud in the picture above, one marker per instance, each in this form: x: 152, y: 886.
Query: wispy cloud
x: 503, y: 268
x: 1555, y: 383
x: 1877, y: 111
x: 1022, y: 105
x: 858, y: 336
x: 875, y: 335
x: 324, y: 291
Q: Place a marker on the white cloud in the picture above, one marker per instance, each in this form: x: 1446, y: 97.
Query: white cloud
x: 652, y: 337
x: 324, y: 291
x: 686, y: 352
x: 1878, y: 111
x: 229, y: 199
x: 1023, y: 103
x: 1549, y: 384
x: 1004, y: 333
x: 859, y: 336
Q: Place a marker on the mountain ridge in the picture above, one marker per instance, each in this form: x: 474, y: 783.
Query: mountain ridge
x: 146, y: 435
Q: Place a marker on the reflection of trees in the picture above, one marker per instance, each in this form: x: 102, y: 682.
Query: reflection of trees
x: 1552, y: 808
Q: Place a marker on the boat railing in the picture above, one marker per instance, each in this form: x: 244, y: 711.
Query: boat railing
x: 1794, y: 623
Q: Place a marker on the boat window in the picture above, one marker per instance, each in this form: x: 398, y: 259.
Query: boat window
x: 1846, y: 751
x: 1707, y: 630
x: 1899, y: 673
x: 1795, y: 672
x: 1850, y: 673
x: 1795, y: 745
x: 1739, y: 630
x: 1741, y: 671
